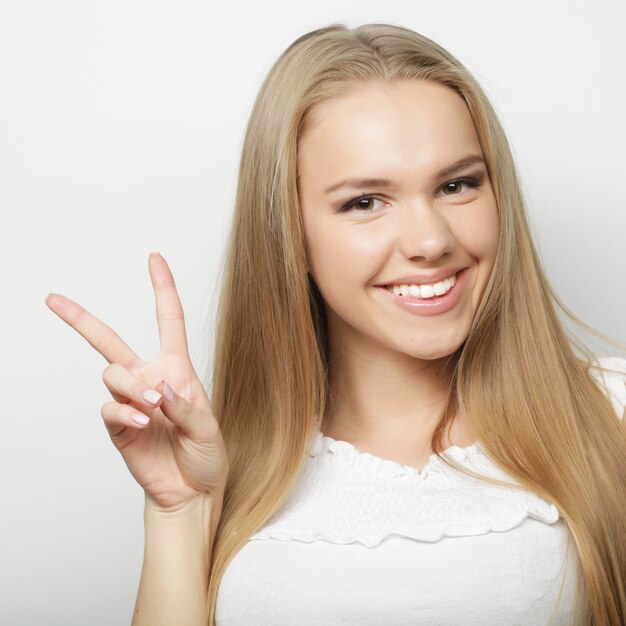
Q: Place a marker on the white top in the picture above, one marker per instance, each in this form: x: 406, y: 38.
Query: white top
x: 366, y: 541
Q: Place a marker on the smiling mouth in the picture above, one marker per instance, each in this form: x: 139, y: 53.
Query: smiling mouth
x: 424, y: 291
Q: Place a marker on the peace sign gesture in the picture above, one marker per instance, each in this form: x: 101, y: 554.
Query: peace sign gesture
x: 179, y: 452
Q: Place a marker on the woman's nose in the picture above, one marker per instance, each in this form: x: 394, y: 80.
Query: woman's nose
x: 424, y: 233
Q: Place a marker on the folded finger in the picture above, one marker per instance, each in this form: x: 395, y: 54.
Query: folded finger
x: 126, y: 387
x: 117, y: 417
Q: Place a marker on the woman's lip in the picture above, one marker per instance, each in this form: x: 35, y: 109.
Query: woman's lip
x: 424, y: 279
x: 430, y: 306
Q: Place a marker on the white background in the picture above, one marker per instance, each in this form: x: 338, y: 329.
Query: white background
x: 121, y: 124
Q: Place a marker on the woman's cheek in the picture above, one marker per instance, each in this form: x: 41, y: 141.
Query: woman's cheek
x: 477, y: 231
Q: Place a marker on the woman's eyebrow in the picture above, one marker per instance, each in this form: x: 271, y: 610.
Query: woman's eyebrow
x: 356, y: 183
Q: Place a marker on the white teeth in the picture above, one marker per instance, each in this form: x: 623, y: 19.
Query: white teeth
x: 425, y: 291
x: 440, y: 288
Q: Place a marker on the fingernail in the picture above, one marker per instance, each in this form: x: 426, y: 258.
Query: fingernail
x: 151, y: 396
x: 140, y: 419
x: 167, y: 390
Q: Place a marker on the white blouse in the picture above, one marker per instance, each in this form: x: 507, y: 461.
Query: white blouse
x: 366, y: 541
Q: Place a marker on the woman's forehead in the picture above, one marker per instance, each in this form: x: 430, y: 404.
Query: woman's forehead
x: 411, y: 124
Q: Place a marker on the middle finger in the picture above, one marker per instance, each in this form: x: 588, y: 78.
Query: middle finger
x: 170, y: 316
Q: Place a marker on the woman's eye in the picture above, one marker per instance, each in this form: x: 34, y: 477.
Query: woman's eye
x: 363, y: 203
x: 366, y: 203
x: 454, y: 186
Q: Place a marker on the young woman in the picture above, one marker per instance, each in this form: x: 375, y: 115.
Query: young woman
x: 400, y: 430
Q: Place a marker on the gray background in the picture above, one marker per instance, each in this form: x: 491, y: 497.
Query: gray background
x: 120, y: 129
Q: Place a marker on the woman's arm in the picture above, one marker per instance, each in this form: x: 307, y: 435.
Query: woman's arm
x: 175, y: 452
x: 175, y: 574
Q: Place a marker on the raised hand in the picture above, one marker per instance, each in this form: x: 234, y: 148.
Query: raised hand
x: 179, y: 453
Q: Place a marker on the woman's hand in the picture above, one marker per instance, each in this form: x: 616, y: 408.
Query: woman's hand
x: 179, y: 454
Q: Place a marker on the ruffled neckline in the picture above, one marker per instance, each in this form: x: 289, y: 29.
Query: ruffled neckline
x: 345, y: 496
x: 322, y: 444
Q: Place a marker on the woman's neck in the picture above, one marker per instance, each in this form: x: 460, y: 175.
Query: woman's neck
x: 384, y: 396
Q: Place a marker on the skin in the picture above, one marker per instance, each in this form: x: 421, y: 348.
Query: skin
x: 178, y: 457
x: 388, y: 368
x: 389, y: 372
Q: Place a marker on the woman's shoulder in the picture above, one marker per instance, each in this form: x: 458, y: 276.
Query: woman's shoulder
x: 610, y: 374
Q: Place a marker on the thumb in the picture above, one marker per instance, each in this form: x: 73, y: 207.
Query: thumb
x: 192, y: 421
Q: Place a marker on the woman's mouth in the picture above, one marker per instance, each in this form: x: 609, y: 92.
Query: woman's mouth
x: 424, y: 291
x: 427, y: 298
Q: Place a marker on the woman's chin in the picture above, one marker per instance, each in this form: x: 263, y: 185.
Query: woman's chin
x: 434, y: 351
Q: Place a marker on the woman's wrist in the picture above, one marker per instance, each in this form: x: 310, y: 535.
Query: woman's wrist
x: 200, y: 503
x: 201, y: 513
x: 177, y: 556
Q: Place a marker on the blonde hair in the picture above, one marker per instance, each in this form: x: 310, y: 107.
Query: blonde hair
x: 531, y: 400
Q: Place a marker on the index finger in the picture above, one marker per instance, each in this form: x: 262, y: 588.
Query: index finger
x: 170, y: 316
x: 102, y: 337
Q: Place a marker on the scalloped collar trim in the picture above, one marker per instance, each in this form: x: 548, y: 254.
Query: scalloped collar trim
x: 346, y: 496
x: 321, y: 444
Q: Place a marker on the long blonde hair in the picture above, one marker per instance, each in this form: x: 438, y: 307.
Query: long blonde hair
x: 530, y: 398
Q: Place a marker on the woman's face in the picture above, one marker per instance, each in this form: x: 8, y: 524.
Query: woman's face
x: 400, y: 250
